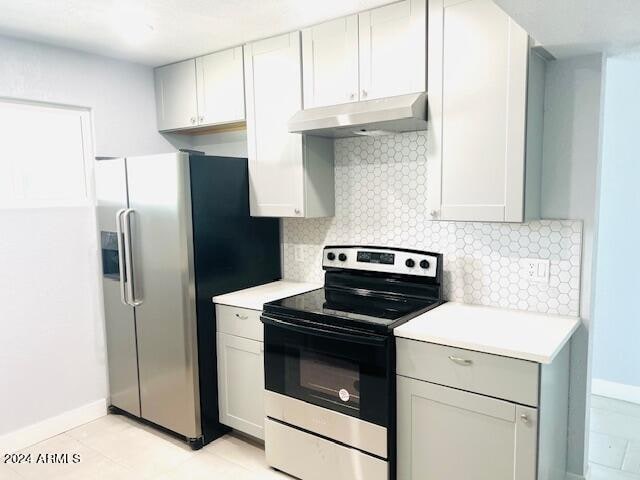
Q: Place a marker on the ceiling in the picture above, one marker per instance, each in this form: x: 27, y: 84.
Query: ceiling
x: 156, y: 32
x: 163, y: 31
x: 575, y: 27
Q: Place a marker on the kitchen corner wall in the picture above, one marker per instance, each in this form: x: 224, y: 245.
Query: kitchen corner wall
x: 381, y: 199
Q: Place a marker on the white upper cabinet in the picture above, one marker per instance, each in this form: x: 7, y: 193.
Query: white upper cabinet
x: 375, y: 54
x: 330, y: 53
x: 176, y: 104
x: 393, y: 50
x: 201, y: 92
x: 220, y: 82
x: 291, y: 175
x: 486, y: 99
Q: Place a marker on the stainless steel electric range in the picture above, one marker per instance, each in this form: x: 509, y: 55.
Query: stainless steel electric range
x: 330, y: 362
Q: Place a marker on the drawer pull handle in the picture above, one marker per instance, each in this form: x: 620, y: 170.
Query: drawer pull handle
x: 242, y: 317
x: 460, y: 361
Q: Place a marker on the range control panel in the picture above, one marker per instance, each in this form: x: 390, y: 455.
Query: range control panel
x: 381, y: 260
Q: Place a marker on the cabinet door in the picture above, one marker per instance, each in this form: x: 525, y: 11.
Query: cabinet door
x: 241, y: 384
x: 330, y: 62
x: 484, y: 81
x: 444, y: 433
x: 393, y: 50
x: 220, y: 79
x: 176, y: 105
x: 274, y: 94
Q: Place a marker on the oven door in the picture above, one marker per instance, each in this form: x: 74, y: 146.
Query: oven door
x: 344, y: 371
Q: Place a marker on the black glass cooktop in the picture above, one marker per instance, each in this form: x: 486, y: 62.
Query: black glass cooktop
x: 349, y: 309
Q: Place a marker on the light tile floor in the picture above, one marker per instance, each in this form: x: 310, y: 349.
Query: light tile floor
x: 117, y: 448
x: 614, y: 450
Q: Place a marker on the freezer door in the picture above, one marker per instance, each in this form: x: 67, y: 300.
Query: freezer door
x: 160, y: 230
x: 111, y: 193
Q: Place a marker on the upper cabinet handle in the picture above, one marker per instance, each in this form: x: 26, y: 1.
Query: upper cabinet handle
x: 364, y: 93
x: 193, y: 120
x: 352, y: 96
x: 242, y: 317
x: 460, y: 361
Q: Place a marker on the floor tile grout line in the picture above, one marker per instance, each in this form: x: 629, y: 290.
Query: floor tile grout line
x: 129, y: 468
x: 620, y: 411
x: 108, y: 457
x: 98, y: 453
x: 235, y: 462
x: 626, y: 452
x: 15, y: 471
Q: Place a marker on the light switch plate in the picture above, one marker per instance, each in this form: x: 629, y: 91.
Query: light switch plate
x: 535, y: 270
x: 298, y: 253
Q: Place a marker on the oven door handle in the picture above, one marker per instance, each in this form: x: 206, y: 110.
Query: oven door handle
x: 316, y: 330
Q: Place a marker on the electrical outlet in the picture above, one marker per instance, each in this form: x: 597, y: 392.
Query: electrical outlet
x: 535, y: 270
x: 298, y: 253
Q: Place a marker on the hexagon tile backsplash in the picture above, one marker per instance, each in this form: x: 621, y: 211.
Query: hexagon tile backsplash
x: 381, y: 192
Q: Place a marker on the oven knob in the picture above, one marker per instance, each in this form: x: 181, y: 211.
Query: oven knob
x: 331, y: 256
x: 342, y: 257
x: 424, y: 264
x: 410, y: 263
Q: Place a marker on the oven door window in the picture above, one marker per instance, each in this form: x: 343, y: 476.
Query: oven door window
x: 348, y: 377
x: 328, y: 379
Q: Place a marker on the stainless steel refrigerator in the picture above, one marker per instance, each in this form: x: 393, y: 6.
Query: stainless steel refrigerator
x: 175, y: 230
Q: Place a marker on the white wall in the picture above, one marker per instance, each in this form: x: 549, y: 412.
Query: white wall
x: 52, y: 350
x: 616, y: 356
x: 569, y: 179
x: 224, y: 144
x: 52, y: 353
x: 120, y: 94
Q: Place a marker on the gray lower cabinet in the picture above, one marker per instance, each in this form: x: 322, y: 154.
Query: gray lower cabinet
x: 240, y: 370
x: 450, y: 434
x: 467, y: 415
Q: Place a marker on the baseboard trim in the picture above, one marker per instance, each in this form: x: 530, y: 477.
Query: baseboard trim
x: 619, y: 391
x: 27, y: 436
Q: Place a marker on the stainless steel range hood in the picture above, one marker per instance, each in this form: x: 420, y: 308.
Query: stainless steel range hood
x: 404, y: 113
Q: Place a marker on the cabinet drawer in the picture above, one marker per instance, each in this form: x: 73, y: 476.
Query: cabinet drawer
x: 492, y: 375
x: 241, y: 322
x: 308, y: 456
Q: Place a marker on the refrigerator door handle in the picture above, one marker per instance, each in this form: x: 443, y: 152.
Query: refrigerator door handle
x: 121, y: 266
x: 128, y: 258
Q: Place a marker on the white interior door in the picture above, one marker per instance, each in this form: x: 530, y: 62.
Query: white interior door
x: 176, y: 101
x: 393, y: 49
x: 330, y: 62
x: 274, y: 94
x: 484, y: 82
x: 220, y: 81
x: 52, y: 342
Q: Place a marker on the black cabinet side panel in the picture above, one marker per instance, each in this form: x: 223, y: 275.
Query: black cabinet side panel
x: 232, y: 251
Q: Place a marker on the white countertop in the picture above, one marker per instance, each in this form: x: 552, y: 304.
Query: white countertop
x: 510, y: 333
x: 255, y: 297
